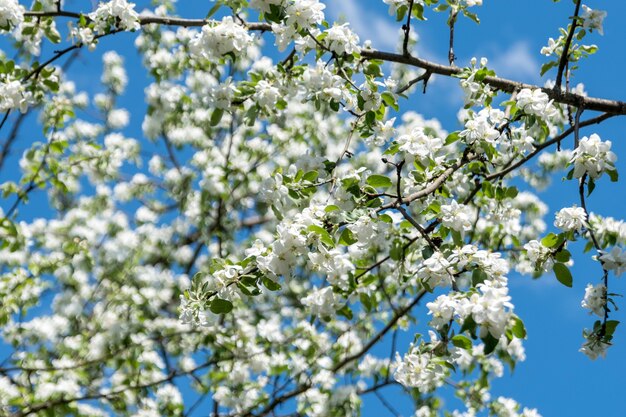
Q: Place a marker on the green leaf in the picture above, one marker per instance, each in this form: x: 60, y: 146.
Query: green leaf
x: 591, y: 186
x: 613, y: 175
x: 512, y: 192
x: 478, y: 277
x: 366, y: 301
x: 219, y: 306
x: 563, y: 274
x: 611, y: 325
x: 519, y: 330
x: 389, y: 100
x: 216, y: 116
x: 547, y: 66
x: 462, y: 342
x: 213, y: 10
x: 401, y: 12
x: 270, y: 285
x: 472, y: 16
x: 379, y: 181
x: 490, y: 343
x: 551, y: 240
x: 469, y: 325
x: 310, y: 176
x: 346, y: 312
x: 397, y: 250
x: 347, y: 237
x: 563, y: 255
x: 325, y: 237
x: 452, y: 137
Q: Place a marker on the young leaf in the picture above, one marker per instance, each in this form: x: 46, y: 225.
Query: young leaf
x: 379, y: 181
x: 563, y: 274
x: 219, y: 306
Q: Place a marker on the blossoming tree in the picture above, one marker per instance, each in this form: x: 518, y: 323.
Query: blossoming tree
x: 297, y: 217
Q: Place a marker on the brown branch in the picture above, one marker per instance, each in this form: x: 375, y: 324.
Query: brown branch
x: 467, y: 157
x: 407, y: 30
x: 160, y: 20
x: 503, y: 84
x: 451, y: 22
x: 565, y: 54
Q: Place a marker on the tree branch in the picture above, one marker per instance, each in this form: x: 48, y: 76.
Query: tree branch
x: 503, y: 84
x: 565, y: 54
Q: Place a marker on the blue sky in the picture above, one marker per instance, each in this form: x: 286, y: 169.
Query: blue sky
x: 556, y: 378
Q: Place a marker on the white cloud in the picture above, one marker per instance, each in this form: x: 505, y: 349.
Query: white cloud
x: 367, y: 23
x: 517, y: 62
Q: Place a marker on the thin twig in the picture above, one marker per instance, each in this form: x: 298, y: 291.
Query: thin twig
x: 565, y: 54
x: 407, y: 30
x: 451, y: 22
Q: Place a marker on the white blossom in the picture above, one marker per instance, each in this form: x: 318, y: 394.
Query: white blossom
x: 535, y: 102
x: 571, y: 219
x: 341, y: 40
x: 11, y: 14
x: 305, y: 13
x: 595, y: 297
x: 615, y: 260
x: 593, y: 157
x: 13, y: 95
x: 120, y: 13
x: 456, y: 216
x: 419, y: 370
x: 321, y: 302
x: 219, y: 39
x: 592, y: 19
x: 419, y: 144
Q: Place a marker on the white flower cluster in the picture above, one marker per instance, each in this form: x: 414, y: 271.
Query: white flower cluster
x: 114, y: 75
x: 615, y: 260
x: 490, y: 308
x: 266, y: 95
x: 11, y: 14
x: 321, y: 302
x: 305, y: 13
x: 593, y: 157
x: 609, y: 227
x: 594, y: 347
x: 333, y: 263
x: 482, y: 126
x: 82, y: 35
x: 571, y: 219
x: 476, y: 92
x: 554, y: 47
x: 592, y: 19
x: 219, y: 39
x: 436, y: 271
x: 535, y: 102
x: 507, y: 407
x: 456, y: 216
x: 420, y: 144
x: 322, y: 84
x: 341, y: 40
x: 13, y: 95
x: 594, y: 300
x: 539, y: 255
x: 419, y: 370
x: 117, y: 13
